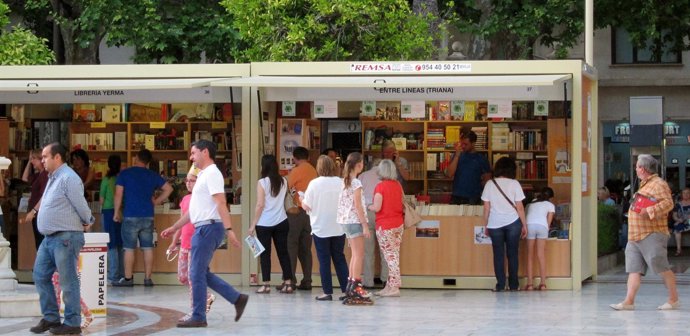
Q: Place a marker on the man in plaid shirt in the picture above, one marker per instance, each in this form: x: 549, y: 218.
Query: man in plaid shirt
x: 648, y: 236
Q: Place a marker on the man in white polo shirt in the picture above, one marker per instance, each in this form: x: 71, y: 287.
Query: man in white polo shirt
x: 208, y: 211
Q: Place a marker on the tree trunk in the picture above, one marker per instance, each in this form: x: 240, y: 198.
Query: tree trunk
x: 424, y: 7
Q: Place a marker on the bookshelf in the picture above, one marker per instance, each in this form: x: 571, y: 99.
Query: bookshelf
x: 524, y: 137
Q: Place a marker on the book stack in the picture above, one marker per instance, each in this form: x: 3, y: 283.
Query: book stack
x: 482, y: 142
x: 500, y: 133
x: 435, y: 139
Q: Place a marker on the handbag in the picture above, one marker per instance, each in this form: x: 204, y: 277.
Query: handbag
x: 411, y: 216
x: 504, y: 194
x: 291, y: 207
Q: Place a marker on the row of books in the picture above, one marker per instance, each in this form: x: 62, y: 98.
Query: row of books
x: 223, y: 140
x: 151, y: 112
x: 99, y: 141
x: 450, y: 210
x: 503, y: 138
x: 438, y: 162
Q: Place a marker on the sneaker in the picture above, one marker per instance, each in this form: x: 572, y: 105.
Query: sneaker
x: 209, y: 301
x: 43, y: 326
x: 185, y: 318
x: 64, y: 329
x: 393, y: 292
x: 86, y: 322
x: 192, y: 324
x: 239, y: 306
x: 123, y: 282
x: 148, y: 283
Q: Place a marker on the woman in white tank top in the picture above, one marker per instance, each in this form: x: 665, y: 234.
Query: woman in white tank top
x: 270, y: 222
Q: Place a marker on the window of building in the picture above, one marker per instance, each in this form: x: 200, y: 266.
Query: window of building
x: 624, y: 52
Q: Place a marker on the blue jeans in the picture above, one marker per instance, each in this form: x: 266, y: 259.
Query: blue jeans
x: 59, y: 252
x: 204, y: 242
x: 137, y: 229
x: 116, y: 269
x: 505, y: 240
x: 331, y: 248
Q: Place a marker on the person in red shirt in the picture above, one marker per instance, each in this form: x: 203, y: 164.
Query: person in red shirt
x: 388, y: 206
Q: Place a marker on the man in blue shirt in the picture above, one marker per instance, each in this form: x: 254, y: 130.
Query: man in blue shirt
x: 63, y: 215
x: 470, y: 170
x: 135, y: 187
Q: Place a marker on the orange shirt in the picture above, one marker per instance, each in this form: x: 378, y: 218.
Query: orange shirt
x: 299, y: 178
x: 640, y: 227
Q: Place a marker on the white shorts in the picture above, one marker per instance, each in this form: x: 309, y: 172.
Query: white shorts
x: 537, y: 231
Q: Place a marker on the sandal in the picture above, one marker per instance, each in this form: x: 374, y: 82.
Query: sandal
x: 678, y: 253
x: 288, y: 289
x: 528, y: 288
x: 264, y: 289
x: 542, y: 287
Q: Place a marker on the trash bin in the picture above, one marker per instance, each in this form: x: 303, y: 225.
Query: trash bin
x: 93, y: 272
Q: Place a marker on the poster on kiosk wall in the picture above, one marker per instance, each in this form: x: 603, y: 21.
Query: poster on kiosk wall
x: 290, y: 138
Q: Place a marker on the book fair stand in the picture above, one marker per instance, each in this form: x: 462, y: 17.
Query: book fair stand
x: 541, y: 113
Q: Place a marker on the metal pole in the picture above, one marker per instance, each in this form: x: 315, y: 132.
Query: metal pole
x: 589, y: 32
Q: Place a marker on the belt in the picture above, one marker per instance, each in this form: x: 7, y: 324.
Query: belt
x: 207, y: 222
x: 54, y: 233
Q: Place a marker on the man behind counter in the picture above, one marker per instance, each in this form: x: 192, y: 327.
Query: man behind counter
x: 470, y: 170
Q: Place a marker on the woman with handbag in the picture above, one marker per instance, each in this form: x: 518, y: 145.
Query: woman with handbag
x: 388, y: 206
x: 681, y: 216
x: 270, y: 222
x: 319, y: 200
x: 504, y: 221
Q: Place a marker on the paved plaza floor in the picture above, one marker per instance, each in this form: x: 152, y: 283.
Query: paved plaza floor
x: 154, y: 311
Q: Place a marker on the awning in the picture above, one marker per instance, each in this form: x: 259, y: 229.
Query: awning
x: 104, y: 84
x: 395, y: 81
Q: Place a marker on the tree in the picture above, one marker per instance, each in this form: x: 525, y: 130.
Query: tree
x: 82, y: 24
x: 654, y: 24
x: 329, y: 30
x: 173, y: 31
x: 20, y: 46
x: 508, y: 29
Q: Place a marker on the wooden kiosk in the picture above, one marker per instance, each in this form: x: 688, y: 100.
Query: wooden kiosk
x: 453, y: 259
x: 55, y: 92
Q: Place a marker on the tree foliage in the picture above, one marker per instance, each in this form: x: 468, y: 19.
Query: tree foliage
x: 82, y: 25
x: 512, y: 28
x: 651, y: 24
x: 173, y: 31
x: 329, y: 30
x: 20, y: 46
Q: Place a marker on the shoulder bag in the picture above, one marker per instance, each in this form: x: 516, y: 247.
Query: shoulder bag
x: 291, y: 207
x: 411, y: 216
x: 504, y: 194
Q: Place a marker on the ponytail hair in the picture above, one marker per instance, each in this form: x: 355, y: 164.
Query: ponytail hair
x: 352, y: 160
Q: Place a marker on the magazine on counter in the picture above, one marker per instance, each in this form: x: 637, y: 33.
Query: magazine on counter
x: 254, y: 245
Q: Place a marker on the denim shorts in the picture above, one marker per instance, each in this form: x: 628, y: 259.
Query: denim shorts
x: 352, y: 230
x: 537, y: 231
x: 137, y: 229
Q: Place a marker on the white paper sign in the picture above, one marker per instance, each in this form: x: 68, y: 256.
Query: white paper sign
x: 412, y: 109
x: 541, y: 108
x: 289, y: 109
x: 325, y: 109
x: 500, y: 108
x: 369, y: 108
